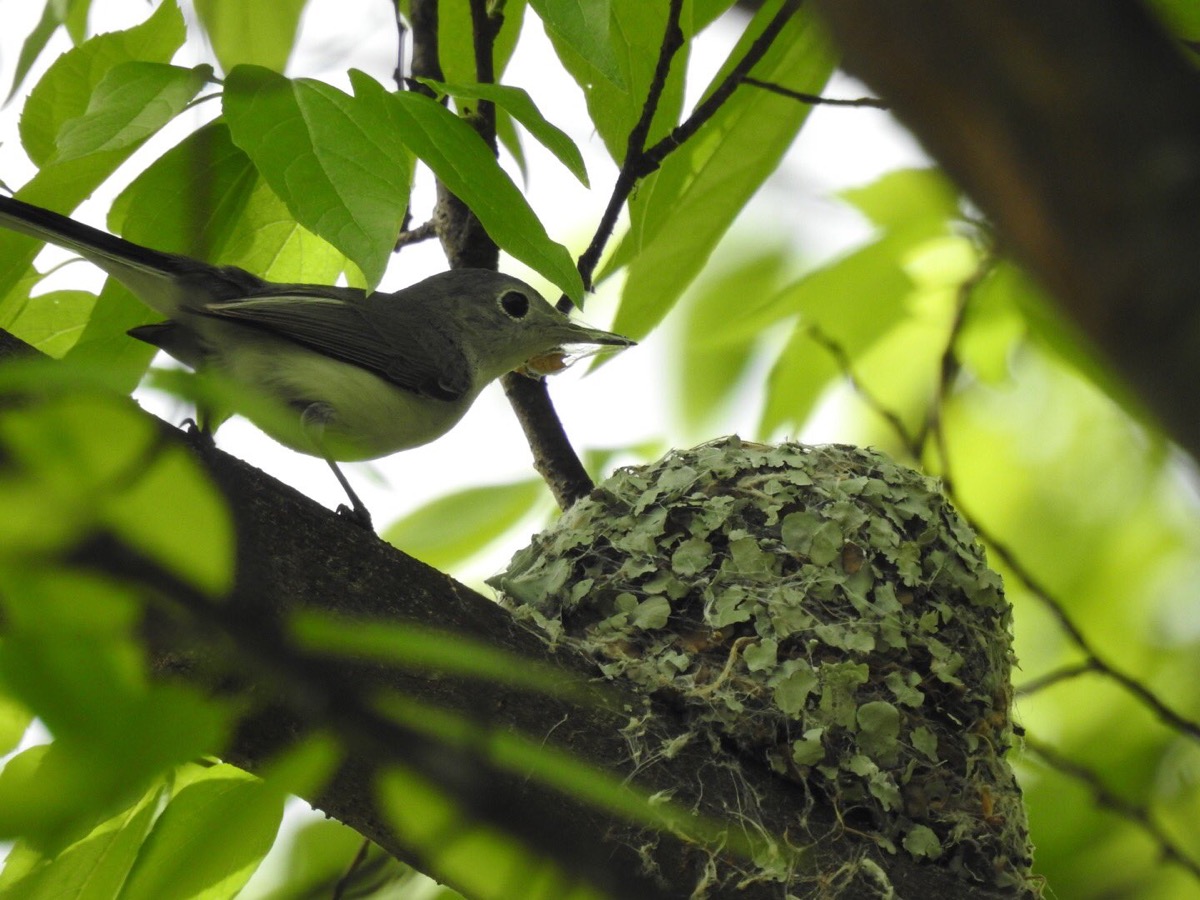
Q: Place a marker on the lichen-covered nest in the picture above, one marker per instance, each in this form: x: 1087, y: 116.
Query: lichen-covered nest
x: 823, y: 609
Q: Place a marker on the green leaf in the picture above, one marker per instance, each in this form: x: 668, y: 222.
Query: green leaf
x: 615, y: 107
x: 510, y: 140
x: 460, y: 158
x: 93, y: 868
x: 920, y: 200
x: 854, y: 302
x: 116, y: 736
x: 147, y: 515
x: 466, y: 851
x: 14, y: 720
x: 1009, y: 286
x: 307, y: 860
x: 36, y: 40
x: 338, y: 162
x: 716, y: 343
x: 1180, y: 17
x: 521, y: 107
x: 209, y: 840
x: 122, y: 480
x: 705, y: 12
x: 268, y: 241
x: 53, y: 322
x: 163, y: 209
x: 426, y: 650
x: 130, y: 104
x: 260, y: 34
x: 679, y: 215
x: 585, y: 26
x: 65, y: 90
x: 63, y: 94
x: 76, y: 18
x: 451, y: 529
x: 861, y: 303
x: 456, y: 38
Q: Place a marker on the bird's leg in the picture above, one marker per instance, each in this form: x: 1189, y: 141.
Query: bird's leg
x: 200, y: 430
x: 314, y: 416
x: 359, y: 514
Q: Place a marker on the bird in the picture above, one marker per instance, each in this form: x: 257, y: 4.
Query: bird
x: 361, y: 374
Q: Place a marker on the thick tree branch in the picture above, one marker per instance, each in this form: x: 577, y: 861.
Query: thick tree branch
x: 294, y: 555
x: 1076, y: 127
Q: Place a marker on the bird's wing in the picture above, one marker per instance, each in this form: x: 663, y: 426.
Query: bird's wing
x: 411, y: 355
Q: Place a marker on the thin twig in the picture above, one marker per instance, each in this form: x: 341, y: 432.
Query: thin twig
x: 635, y: 147
x: 1107, y: 798
x: 1095, y: 662
x: 948, y: 368
x: 814, y: 99
x: 1005, y: 554
x: 422, y: 232
x: 641, y: 161
x: 1052, y: 678
x: 347, y: 877
x: 842, y: 359
x: 713, y: 102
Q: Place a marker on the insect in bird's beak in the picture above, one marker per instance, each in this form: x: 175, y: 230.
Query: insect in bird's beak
x: 558, y: 359
x: 545, y: 364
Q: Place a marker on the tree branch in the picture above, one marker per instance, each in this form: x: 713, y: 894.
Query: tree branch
x: 632, y: 167
x: 640, y: 160
x: 554, y: 458
x: 814, y: 99
x: 294, y: 555
x: 1105, y: 797
x: 723, y: 91
x: 1076, y: 127
x: 466, y: 243
x: 484, y: 29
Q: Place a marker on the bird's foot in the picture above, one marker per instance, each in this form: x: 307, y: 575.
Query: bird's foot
x: 357, y: 514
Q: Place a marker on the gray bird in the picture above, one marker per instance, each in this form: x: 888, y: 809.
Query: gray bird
x: 366, y: 374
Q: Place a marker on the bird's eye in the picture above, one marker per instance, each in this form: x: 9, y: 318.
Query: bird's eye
x: 515, y: 304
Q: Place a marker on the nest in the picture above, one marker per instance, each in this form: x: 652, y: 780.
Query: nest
x: 822, y: 610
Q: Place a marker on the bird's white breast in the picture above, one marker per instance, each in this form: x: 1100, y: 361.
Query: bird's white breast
x: 337, y: 409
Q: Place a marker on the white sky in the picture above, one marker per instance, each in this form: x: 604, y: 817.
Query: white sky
x: 627, y: 400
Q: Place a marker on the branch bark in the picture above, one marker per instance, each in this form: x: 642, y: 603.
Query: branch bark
x: 326, y: 564
x: 1076, y: 128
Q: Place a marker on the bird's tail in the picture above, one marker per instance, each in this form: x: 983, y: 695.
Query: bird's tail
x: 152, y: 275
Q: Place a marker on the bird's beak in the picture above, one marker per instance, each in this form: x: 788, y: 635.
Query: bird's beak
x: 577, y: 333
x: 559, y: 358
